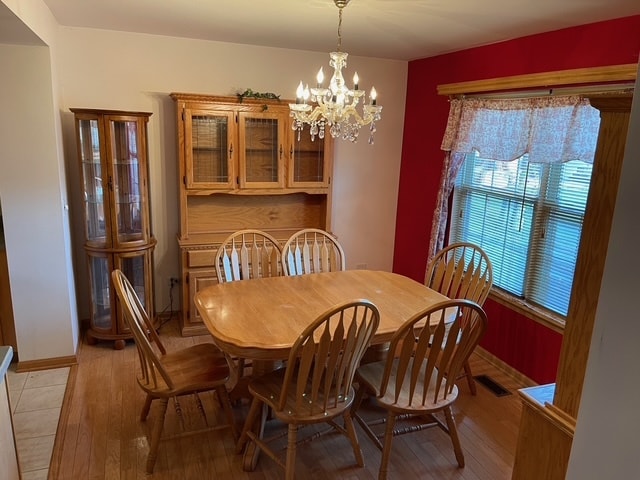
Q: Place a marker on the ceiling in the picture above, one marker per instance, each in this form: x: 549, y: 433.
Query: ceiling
x: 394, y: 29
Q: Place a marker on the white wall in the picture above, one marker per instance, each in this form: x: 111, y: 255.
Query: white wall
x: 605, y: 444
x: 125, y: 71
x: 114, y: 70
x: 35, y: 214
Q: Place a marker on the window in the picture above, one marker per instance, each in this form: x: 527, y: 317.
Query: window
x: 528, y: 218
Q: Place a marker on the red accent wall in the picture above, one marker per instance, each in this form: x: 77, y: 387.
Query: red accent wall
x: 524, y: 344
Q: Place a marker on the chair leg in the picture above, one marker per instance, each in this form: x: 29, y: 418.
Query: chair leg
x: 223, y: 397
x: 290, y: 467
x: 453, y: 433
x: 251, y: 419
x: 354, y: 415
x: 156, y: 434
x: 469, y: 375
x: 386, y: 450
x: 357, y: 401
x: 145, y: 408
x: 351, y: 432
x: 178, y: 408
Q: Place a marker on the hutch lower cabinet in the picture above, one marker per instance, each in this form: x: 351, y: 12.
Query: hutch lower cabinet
x: 241, y: 165
x: 112, y: 149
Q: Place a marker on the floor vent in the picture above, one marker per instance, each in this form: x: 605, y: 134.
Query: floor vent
x: 497, y: 389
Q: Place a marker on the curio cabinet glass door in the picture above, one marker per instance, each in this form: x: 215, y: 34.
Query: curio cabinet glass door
x: 112, y: 148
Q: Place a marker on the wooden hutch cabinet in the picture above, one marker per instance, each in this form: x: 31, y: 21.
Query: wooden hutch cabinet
x: 112, y: 149
x: 242, y: 166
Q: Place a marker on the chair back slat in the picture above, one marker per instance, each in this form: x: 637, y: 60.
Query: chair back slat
x: 312, y: 250
x: 461, y: 270
x: 309, y: 260
x: 226, y: 265
x: 153, y: 375
x: 235, y: 262
x: 245, y: 260
x: 430, y: 359
x: 324, y: 358
x: 248, y: 254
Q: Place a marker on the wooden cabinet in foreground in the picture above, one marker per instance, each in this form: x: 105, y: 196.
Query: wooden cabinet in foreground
x: 112, y: 149
x: 242, y: 166
x: 548, y: 423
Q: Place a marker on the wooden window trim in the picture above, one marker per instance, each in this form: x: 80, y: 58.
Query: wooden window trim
x: 595, y: 75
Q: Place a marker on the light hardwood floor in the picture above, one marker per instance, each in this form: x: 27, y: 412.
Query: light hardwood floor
x: 100, y: 435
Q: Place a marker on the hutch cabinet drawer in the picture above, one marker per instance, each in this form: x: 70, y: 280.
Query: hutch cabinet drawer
x: 201, y: 258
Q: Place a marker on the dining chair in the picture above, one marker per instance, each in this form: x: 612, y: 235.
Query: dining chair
x: 164, y: 375
x: 315, y: 386
x: 248, y: 254
x: 461, y: 270
x: 244, y: 255
x: 312, y: 250
x: 418, y: 381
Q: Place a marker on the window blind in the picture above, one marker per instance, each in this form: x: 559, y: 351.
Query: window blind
x: 528, y: 218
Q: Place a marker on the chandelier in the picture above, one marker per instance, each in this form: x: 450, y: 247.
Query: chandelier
x: 335, y: 106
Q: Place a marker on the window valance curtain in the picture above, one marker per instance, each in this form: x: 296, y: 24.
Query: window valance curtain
x: 547, y: 129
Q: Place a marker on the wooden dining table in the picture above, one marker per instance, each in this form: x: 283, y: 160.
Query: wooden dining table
x: 260, y: 319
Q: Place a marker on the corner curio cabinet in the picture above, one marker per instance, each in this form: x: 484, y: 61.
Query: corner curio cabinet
x: 112, y: 149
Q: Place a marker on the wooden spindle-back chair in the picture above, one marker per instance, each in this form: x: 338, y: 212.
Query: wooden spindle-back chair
x: 418, y: 382
x: 461, y: 270
x: 316, y: 384
x: 312, y: 250
x: 248, y: 254
x: 164, y: 375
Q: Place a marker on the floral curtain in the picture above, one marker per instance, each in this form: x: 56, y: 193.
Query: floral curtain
x: 548, y: 129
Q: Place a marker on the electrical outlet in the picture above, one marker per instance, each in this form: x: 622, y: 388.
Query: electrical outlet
x: 361, y: 266
x: 173, y: 281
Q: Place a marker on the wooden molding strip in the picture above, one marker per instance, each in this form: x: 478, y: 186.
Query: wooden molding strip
x: 562, y: 418
x: 504, y: 367
x: 613, y: 73
x: 63, y: 421
x: 46, y: 364
x: 539, y: 315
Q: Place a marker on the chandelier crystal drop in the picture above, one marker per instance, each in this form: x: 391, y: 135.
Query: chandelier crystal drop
x: 335, y: 106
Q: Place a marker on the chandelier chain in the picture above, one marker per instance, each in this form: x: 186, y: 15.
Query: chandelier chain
x: 339, y: 29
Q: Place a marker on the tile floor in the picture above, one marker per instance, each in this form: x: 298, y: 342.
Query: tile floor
x: 36, y: 400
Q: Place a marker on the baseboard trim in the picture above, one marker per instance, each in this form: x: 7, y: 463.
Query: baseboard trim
x: 63, y: 421
x: 504, y: 367
x: 46, y: 363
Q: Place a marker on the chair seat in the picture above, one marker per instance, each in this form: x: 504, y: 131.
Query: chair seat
x: 369, y: 375
x: 197, y: 368
x: 268, y: 387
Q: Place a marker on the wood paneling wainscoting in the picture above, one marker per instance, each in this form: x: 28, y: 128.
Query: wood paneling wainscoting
x: 551, y: 435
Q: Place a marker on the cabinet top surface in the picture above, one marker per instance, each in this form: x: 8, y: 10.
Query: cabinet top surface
x: 232, y: 100
x: 97, y: 111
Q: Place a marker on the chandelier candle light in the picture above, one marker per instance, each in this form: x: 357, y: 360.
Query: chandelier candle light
x: 335, y: 106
